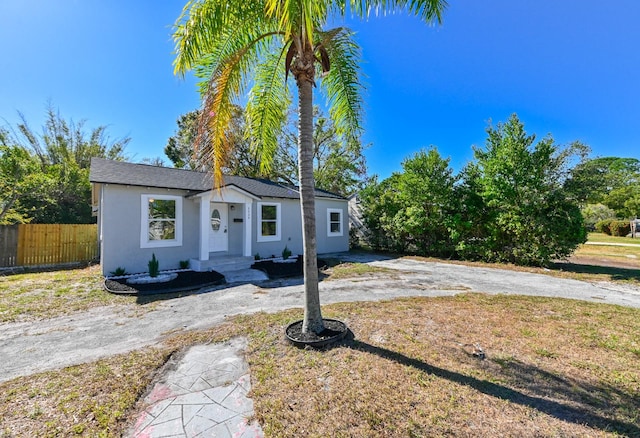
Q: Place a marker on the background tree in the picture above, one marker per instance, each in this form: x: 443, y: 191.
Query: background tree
x: 19, y: 176
x: 179, y: 148
x: 412, y: 210
x: 594, y: 213
x: 183, y: 152
x: 339, y: 166
x: 55, y: 165
x: 612, y: 181
x: 530, y: 218
x: 264, y: 41
x: 381, y: 204
x: 511, y: 204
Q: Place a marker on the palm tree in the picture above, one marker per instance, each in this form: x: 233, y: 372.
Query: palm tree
x: 259, y: 42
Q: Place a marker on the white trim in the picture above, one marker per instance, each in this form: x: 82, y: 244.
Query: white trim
x: 341, y: 222
x: 278, y: 221
x: 230, y: 194
x: 247, y: 229
x: 205, y: 221
x: 144, y: 222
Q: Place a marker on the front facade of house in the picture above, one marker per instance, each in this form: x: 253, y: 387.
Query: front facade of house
x: 176, y: 215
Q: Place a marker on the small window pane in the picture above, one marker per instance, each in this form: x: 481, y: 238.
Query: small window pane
x: 268, y: 228
x: 335, y: 227
x: 335, y: 217
x: 162, y: 209
x: 269, y: 212
x: 162, y: 230
x: 215, y: 220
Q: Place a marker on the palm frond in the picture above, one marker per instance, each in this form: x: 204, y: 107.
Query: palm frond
x: 299, y: 17
x: 198, y: 29
x: 428, y: 10
x: 342, y: 83
x: 236, y: 54
x: 266, y: 109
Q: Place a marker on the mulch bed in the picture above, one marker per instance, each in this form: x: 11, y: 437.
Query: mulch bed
x: 186, y: 281
x: 192, y: 280
x: 334, y: 331
x: 281, y: 270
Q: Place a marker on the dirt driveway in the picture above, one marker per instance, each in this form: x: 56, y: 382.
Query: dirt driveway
x: 105, y: 331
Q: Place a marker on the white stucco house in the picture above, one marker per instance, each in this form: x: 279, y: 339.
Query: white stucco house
x: 178, y: 215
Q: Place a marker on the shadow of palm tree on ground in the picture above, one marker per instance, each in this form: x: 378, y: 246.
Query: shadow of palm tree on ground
x: 569, y: 400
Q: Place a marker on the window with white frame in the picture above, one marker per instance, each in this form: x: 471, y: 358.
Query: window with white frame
x: 161, y: 224
x: 334, y: 222
x: 268, y: 221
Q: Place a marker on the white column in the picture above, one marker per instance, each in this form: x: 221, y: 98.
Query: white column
x: 205, y: 223
x: 247, y: 228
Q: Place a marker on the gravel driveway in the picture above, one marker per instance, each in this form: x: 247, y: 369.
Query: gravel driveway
x: 44, y: 345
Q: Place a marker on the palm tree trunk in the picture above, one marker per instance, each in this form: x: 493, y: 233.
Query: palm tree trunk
x: 312, y: 313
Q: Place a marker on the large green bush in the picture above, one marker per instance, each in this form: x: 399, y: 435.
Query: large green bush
x: 528, y: 216
x: 510, y: 205
x: 413, y: 211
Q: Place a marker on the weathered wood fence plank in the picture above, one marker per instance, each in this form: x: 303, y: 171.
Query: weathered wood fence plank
x: 8, y: 245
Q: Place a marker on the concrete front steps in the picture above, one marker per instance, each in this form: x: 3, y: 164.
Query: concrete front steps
x: 234, y: 268
x: 221, y: 263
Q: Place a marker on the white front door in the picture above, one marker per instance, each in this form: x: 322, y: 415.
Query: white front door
x: 218, y: 231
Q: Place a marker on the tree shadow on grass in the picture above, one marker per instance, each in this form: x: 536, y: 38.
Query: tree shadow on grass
x: 616, y: 273
x: 581, y: 402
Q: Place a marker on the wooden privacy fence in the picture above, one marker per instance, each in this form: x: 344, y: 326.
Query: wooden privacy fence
x: 48, y: 244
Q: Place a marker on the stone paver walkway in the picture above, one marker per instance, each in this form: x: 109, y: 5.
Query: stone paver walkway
x: 205, y: 395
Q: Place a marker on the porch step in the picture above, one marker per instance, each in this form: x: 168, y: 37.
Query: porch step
x: 222, y: 264
x: 245, y: 276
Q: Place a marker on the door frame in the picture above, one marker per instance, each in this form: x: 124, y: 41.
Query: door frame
x: 223, y: 233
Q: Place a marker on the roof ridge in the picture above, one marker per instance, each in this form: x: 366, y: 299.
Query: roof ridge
x: 151, y: 165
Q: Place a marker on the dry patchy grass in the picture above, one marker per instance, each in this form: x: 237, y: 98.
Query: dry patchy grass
x: 552, y: 367
x: 84, y: 400
x: 357, y: 270
x: 626, y: 255
x: 43, y: 295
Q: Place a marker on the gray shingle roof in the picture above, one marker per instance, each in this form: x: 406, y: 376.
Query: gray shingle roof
x: 119, y: 172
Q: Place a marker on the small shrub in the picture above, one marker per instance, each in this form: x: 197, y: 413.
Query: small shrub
x: 119, y: 272
x: 184, y: 264
x: 286, y: 253
x: 603, y: 226
x: 620, y: 228
x: 257, y: 256
x: 154, y: 266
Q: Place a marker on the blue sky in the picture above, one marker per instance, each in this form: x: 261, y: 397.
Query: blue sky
x: 570, y: 68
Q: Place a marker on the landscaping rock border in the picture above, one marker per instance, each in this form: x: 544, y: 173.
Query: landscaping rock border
x: 185, y: 281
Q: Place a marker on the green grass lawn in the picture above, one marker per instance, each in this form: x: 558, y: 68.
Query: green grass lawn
x: 624, y: 257
x: 625, y: 254
x: 604, y: 238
